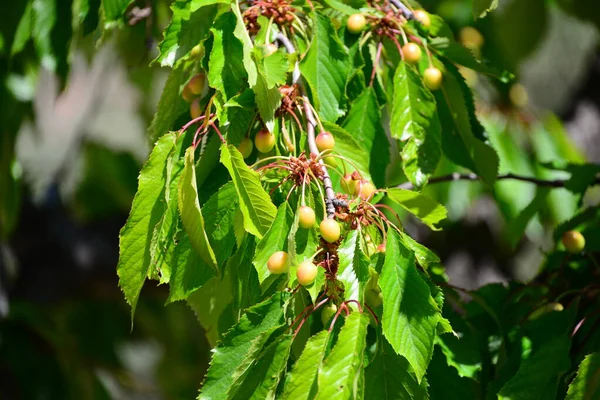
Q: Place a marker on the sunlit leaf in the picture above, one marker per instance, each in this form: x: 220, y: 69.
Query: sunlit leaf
x: 421, y: 206
x: 586, y: 384
x: 353, y: 269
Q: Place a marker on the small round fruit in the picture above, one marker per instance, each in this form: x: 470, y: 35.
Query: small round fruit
x: 196, y: 84
x: 367, y: 189
x: 573, y: 241
x: 433, y: 78
x: 264, y: 141
x: 381, y: 248
x: 325, y: 141
x: 307, y: 217
x: 356, y: 23
x: 245, y: 147
x: 196, y: 51
x: 374, y: 298
x: 278, y: 263
x: 195, y: 110
x: 412, y: 53
x: 330, y: 230
x: 471, y: 38
x: 270, y: 49
x: 349, y: 184
x: 187, y: 94
x: 423, y: 17
x: 306, y: 273
x: 330, y: 161
x: 518, y: 95
x: 328, y: 312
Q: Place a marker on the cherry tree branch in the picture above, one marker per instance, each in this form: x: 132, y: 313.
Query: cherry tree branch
x: 556, y: 183
x: 399, y: 5
x: 310, y: 127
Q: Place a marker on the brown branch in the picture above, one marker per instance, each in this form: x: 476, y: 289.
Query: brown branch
x: 310, y: 127
x: 556, y: 183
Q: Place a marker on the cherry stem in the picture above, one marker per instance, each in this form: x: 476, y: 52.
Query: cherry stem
x: 192, y: 122
x: 372, y: 313
x: 360, y: 309
x: 310, y: 127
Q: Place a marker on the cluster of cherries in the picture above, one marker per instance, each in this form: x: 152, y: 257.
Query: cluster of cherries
x: 411, y: 52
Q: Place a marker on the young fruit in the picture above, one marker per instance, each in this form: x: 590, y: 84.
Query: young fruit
x: 573, y: 241
x: 356, y: 23
x: 325, y: 141
x: 433, y: 78
x: 196, y: 51
x: 349, y: 184
x: 328, y: 312
x: 374, y: 297
x: 381, y: 248
x: 195, y: 110
x: 278, y: 263
x: 196, y: 84
x: 306, y: 273
x: 471, y: 38
x: 245, y: 147
x: 330, y: 161
x: 411, y: 52
x: 307, y: 217
x: 366, y: 190
x: 423, y: 17
x: 330, y: 230
x: 187, y: 94
x: 264, y: 141
x: 270, y: 49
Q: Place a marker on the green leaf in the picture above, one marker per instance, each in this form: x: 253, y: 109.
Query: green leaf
x: 459, y: 141
x: 364, y: 123
x: 274, y: 240
x: 347, y: 146
x: 586, y: 385
x: 482, y: 7
x: 389, y: 376
x: 410, y: 314
x: 326, y: 67
x: 44, y: 13
x: 226, y: 71
x: 441, y: 377
x: 425, y: 257
x: 114, y: 9
x: 147, y: 209
x: 219, y: 214
x: 217, y: 293
x: 191, y: 215
x: 344, y: 365
x: 189, y: 271
x: 516, y: 227
x: 236, y: 116
x: 459, y: 54
x: 268, y: 96
x: 263, y: 377
x: 301, y: 382
x: 244, y: 279
x: 421, y: 206
x: 538, y: 375
x: 353, y: 268
x: 276, y: 67
x: 255, y: 203
x: 170, y: 106
x: 189, y: 27
x: 258, y: 322
x: 23, y: 32
x: 415, y: 122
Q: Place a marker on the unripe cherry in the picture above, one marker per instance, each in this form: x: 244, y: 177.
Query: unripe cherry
x: 196, y: 51
x: 306, y: 217
x: 366, y: 190
x: 278, y: 263
x: 330, y: 161
x: 412, y: 53
x: 328, y: 312
x: 187, y: 94
x: 325, y: 141
x: 348, y: 184
x: 330, y: 230
x: 573, y: 241
x: 196, y: 84
x: 195, y: 110
x: 306, y: 273
x: 356, y: 23
x: 433, y: 78
x: 374, y: 298
x: 381, y: 248
x: 423, y: 17
x: 264, y: 141
x: 245, y: 147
